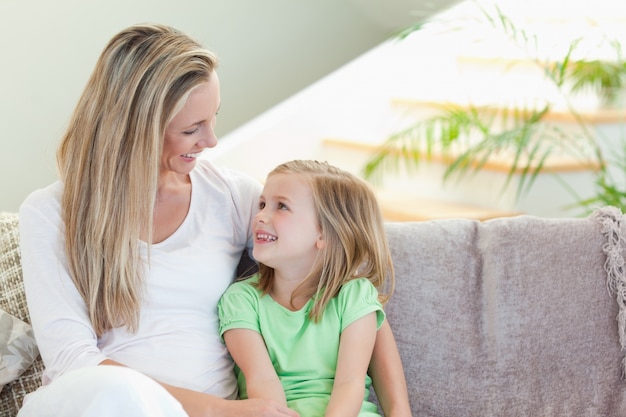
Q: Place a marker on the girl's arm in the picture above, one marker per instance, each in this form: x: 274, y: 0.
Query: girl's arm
x: 388, y: 375
x: 250, y: 354
x: 355, y: 351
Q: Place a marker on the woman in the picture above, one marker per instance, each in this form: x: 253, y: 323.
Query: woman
x: 126, y: 257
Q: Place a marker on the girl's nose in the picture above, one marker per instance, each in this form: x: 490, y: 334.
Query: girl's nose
x: 260, y: 217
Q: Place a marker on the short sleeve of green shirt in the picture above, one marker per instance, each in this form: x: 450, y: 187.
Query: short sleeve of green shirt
x: 239, y: 307
x: 356, y: 299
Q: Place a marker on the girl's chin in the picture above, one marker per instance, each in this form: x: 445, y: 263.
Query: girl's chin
x: 258, y: 256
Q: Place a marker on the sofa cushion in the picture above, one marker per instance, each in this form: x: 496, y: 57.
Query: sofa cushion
x: 18, y: 349
x: 12, y: 297
x: 13, y: 306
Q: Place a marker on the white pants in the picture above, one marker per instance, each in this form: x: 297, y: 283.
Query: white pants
x: 102, y: 391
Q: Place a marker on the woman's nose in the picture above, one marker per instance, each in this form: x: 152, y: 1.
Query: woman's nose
x: 209, y: 141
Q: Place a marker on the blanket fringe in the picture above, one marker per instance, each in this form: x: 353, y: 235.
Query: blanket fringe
x: 610, y: 219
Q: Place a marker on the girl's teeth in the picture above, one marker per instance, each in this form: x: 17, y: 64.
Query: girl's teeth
x: 265, y: 236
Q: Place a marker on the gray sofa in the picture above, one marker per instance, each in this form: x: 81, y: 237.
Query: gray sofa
x: 518, y: 316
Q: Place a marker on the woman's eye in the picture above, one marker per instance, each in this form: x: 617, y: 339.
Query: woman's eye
x: 192, y: 131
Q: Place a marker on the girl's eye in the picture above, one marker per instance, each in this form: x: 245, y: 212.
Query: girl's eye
x: 261, y: 205
x: 281, y: 206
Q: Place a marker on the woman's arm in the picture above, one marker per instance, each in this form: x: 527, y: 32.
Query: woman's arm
x: 388, y: 375
x: 199, y: 404
x: 248, y: 350
x: 355, y: 350
x: 63, y: 331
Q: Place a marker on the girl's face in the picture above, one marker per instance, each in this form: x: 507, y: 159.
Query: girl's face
x: 287, y: 232
x: 192, y: 129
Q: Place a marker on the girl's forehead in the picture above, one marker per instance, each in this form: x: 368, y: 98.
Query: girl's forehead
x: 287, y: 184
x: 286, y: 178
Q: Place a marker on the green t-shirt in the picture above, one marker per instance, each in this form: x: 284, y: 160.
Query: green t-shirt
x: 304, y: 353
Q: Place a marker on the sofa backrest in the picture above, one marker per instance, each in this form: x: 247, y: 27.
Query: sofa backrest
x: 509, y: 317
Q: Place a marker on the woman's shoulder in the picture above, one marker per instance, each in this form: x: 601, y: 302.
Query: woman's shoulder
x: 227, y: 186
x: 209, y: 173
x: 46, y: 199
x: 40, y: 213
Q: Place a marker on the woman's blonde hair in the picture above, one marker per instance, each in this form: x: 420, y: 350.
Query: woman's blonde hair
x: 352, y: 229
x: 109, y: 161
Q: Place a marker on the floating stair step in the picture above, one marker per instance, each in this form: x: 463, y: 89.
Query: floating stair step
x: 590, y: 116
x: 498, y: 163
x: 398, y: 208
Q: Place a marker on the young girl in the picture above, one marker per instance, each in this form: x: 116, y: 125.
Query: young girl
x: 302, y: 330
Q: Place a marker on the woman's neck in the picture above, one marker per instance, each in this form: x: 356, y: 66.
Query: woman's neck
x: 171, y: 206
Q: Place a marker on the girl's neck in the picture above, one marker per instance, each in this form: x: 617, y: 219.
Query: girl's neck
x: 282, y: 292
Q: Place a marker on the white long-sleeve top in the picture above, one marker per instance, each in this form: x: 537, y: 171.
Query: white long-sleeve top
x: 177, y: 341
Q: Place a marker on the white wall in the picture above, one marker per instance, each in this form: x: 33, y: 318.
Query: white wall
x: 268, y: 50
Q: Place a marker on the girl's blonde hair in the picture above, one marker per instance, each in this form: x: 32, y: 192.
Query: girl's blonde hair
x: 109, y: 161
x: 352, y: 228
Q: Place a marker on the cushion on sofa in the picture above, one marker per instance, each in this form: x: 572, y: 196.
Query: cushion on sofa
x: 18, y: 348
x: 15, y: 333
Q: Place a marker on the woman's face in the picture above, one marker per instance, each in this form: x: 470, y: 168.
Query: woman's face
x: 192, y: 129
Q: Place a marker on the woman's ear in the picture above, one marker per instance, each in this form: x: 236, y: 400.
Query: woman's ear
x: 320, y: 243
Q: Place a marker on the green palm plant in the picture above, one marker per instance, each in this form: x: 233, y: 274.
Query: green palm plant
x: 468, y: 137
